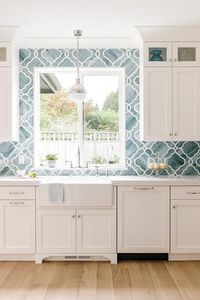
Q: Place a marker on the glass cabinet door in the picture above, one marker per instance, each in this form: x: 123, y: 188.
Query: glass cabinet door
x: 158, y: 54
x: 186, y: 53
x: 5, y: 54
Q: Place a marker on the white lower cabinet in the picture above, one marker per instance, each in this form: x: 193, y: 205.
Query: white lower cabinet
x: 96, y: 231
x: 17, y: 226
x: 143, y: 219
x: 185, y: 226
x: 56, y: 231
x: 75, y: 232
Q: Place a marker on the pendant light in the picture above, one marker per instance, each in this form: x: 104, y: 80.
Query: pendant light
x: 77, y: 93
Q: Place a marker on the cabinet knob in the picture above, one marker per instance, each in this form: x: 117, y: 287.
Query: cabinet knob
x: 73, y: 216
x: 175, y: 134
x: 174, y: 206
x: 170, y: 134
x: 79, y: 216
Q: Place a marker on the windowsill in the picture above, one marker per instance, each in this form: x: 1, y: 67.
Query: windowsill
x: 90, y: 168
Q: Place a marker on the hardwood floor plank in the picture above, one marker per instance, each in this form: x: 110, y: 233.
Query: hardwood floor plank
x: 121, y: 282
x: 104, y: 281
x: 186, y: 278
x: 133, y: 280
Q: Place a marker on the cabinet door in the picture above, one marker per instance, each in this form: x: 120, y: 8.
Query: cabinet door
x: 185, y: 226
x: 17, y: 226
x: 156, y: 105
x: 186, y: 54
x: 143, y: 219
x: 186, y: 103
x: 5, y: 54
x: 158, y: 54
x: 5, y: 104
x: 96, y: 231
x: 56, y: 231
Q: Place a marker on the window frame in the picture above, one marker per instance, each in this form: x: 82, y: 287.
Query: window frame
x: 99, y: 71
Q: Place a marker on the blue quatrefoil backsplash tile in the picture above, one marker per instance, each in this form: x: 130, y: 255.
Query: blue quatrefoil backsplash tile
x: 183, y: 157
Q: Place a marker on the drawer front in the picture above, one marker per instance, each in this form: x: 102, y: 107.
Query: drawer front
x: 185, y: 192
x: 17, y: 192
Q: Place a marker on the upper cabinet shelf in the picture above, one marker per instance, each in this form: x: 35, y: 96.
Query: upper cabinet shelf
x: 168, y: 54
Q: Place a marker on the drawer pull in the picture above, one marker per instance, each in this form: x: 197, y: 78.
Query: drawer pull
x: 144, y: 189
x: 193, y: 193
x: 16, y: 202
x: 16, y: 193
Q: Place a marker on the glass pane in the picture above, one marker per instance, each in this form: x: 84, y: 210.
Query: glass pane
x: 3, y: 54
x: 101, y: 119
x: 157, y: 54
x: 58, y: 118
x: 186, y: 54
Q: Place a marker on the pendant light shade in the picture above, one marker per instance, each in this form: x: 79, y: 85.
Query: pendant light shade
x: 77, y: 93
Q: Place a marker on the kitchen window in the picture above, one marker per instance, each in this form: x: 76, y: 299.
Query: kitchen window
x: 80, y: 134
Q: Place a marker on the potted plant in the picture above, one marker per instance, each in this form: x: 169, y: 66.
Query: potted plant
x: 51, y: 160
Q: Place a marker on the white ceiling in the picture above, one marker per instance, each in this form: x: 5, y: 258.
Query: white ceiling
x: 102, y: 18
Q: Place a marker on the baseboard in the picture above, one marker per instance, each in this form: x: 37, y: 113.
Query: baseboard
x: 17, y: 257
x: 142, y: 256
x: 184, y: 256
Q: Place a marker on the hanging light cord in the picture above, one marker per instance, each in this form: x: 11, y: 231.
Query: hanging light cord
x: 78, y: 57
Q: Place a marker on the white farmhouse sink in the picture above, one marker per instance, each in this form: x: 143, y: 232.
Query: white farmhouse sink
x: 85, y: 191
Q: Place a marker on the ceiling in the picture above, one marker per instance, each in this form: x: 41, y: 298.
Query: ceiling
x: 102, y: 18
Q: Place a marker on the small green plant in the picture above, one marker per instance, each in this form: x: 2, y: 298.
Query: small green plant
x: 51, y: 156
x: 115, y: 160
x: 98, y: 160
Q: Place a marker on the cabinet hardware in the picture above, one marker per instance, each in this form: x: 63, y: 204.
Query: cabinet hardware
x: 174, y: 206
x: 143, y: 189
x: 170, y: 134
x: 193, y: 193
x: 73, y: 216
x: 16, y: 202
x: 175, y: 59
x: 79, y: 216
x: 175, y: 134
x: 16, y: 193
x: 170, y: 59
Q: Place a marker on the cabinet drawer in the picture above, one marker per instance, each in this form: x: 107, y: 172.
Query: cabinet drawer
x: 185, y: 192
x: 17, y: 192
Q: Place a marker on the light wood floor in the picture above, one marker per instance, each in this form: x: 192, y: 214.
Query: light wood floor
x: 91, y: 280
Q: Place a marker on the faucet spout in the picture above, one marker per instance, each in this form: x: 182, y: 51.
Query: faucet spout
x: 79, y: 157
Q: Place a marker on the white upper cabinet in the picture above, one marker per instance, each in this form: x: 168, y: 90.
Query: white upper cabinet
x: 6, y: 116
x: 186, y: 103
x: 158, y: 54
x: 9, y: 123
x: 157, y: 107
x: 186, y: 54
x: 170, y: 91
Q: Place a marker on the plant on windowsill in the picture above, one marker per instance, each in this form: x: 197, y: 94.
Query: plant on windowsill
x: 51, y: 160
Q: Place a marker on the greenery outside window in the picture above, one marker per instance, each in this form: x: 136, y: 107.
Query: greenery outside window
x: 80, y: 134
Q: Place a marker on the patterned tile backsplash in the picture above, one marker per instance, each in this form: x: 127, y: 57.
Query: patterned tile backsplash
x: 183, y: 157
